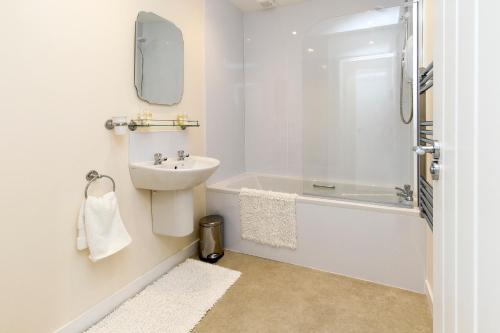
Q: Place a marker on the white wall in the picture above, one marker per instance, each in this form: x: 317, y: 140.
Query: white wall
x: 273, y: 87
x: 67, y: 66
x: 225, y: 105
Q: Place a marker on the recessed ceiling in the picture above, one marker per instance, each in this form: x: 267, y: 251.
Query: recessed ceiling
x: 252, y: 5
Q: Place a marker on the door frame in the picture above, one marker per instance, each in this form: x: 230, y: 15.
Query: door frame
x: 455, y: 194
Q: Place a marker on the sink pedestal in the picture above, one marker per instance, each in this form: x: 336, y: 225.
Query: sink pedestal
x: 173, y: 212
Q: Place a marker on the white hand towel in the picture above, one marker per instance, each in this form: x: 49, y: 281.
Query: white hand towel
x: 103, y: 232
x: 81, y: 240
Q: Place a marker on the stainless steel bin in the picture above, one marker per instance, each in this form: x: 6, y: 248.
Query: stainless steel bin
x: 211, y: 247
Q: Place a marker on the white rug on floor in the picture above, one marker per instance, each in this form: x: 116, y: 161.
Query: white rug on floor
x: 176, y: 302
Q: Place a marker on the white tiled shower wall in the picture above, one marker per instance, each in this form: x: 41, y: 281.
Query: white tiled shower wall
x: 254, y: 114
x: 274, y: 85
x: 225, y: 103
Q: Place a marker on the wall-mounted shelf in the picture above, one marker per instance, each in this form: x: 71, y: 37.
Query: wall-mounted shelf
x: 135, y: 124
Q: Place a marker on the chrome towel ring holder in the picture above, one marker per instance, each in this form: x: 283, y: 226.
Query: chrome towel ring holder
x: 92, y: 176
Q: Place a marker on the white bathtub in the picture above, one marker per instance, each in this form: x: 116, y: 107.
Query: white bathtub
x: 382, y: 244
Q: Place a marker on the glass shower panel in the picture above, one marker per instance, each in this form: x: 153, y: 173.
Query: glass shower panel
x: 355, y: 145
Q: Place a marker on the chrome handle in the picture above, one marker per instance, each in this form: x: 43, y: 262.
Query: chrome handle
x: 422, y: 150
x: 181, y: 155
x: 406, y: 188
x: 158, y: 157
x: 435, y: 150
x: 406, y: 192
x: 434, y: 170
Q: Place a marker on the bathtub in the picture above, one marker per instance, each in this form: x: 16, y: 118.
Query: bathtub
x: 384, y: 244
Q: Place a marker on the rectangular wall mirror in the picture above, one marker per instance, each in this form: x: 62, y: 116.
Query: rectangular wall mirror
x: 159, y: 60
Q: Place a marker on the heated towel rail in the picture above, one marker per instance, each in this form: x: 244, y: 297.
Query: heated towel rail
x: 426, y: 145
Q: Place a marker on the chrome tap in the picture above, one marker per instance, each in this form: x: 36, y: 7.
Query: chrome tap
x: 181, y: 155
x: 159, y: 159
x: 405, y: 193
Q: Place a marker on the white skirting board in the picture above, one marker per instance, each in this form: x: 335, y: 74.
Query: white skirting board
x: 430, y: 295
x: 100, y: 310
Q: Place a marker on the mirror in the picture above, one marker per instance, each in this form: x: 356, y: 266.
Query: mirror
x: 159, y: 60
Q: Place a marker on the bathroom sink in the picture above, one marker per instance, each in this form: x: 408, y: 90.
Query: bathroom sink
x: 171, y: 183
x: 172, y: 175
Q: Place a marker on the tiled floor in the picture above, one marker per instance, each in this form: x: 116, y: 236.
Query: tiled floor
x: 276, y: 297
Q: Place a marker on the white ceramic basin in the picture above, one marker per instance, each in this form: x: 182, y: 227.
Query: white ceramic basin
x: 172, y: 175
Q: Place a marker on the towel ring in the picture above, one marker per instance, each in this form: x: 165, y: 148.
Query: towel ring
x: 92, y: 176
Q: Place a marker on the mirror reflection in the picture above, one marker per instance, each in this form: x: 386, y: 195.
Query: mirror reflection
x: 159, y: 60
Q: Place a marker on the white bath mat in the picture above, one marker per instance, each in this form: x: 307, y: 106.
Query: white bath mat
x: 268, y: 217
x: 174, y: 303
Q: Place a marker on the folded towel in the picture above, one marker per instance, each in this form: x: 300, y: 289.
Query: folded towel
x: 81, y: 239
x: 268, y: 217
x: 100, y: 227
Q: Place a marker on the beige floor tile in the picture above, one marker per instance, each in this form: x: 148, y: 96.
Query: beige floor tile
x: 277, y: 297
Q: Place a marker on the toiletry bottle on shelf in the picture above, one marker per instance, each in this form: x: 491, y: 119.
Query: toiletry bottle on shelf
x: 180, y: 119
x: 140, y: 119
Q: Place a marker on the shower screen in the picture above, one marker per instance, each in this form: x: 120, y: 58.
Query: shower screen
x: 355, y: 145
